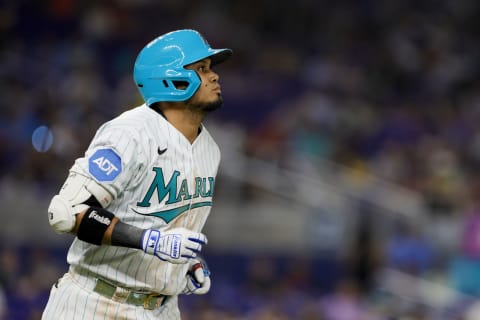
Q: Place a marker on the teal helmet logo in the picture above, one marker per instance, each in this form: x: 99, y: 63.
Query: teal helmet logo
x: 160, y: 65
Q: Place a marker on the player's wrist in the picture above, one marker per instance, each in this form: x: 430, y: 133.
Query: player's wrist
x: 126, y: 235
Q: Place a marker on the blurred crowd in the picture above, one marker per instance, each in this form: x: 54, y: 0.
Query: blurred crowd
x: 390, y: 88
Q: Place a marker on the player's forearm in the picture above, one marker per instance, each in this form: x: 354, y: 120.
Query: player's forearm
x: 117, y: 233
x: 100, y: 227
x: 126, y: 235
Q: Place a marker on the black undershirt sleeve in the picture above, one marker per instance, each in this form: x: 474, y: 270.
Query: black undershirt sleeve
x: 92, y: 202
x: 125, y: 235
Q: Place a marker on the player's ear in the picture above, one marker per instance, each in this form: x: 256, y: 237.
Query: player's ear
x: 180, y: 85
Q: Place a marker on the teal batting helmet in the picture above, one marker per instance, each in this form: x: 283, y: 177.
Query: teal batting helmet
x: 160, y: 65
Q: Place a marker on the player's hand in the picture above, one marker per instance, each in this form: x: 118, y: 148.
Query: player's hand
x: 198, y: 277
x: 177, y: 245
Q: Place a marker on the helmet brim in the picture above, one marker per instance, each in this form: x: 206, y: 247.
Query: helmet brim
x: 220, y: 55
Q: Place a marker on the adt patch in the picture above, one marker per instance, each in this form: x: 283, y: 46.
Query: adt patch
x: 105, y: 165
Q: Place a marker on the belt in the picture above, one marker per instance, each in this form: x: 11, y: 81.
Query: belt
x: 149, y: 301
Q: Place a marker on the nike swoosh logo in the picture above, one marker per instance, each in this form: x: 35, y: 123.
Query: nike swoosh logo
x: 161, y: 151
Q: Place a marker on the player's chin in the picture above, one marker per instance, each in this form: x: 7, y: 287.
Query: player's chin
x: 213, y: 105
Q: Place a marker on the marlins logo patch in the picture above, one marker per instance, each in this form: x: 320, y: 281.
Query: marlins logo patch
x: 105, y: 165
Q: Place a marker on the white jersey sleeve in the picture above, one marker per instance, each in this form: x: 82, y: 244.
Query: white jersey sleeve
x: 115, y: 159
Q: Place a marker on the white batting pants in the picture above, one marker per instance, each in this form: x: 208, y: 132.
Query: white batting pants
x: 70, y: 301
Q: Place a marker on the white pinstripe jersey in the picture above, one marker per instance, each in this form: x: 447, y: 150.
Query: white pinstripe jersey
x: 151, y: 189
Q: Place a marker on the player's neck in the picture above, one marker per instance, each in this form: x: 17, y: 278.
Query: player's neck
x: 185, y: 121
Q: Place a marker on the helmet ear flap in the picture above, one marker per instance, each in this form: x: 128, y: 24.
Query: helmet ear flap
x: 164, y: 88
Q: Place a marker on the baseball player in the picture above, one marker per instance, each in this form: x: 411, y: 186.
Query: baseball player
x: 139, y: 197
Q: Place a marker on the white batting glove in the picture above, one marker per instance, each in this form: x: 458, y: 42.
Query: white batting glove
x: 177, y: 245
x: 198, y: 277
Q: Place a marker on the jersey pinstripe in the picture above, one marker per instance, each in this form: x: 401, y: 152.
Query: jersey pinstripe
x: 152, y: 190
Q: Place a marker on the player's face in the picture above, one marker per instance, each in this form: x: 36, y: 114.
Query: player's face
x: 209, y: 95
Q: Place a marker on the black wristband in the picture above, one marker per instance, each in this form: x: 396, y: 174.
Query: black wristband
x: 125, y: 235
x: 94, y: 224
